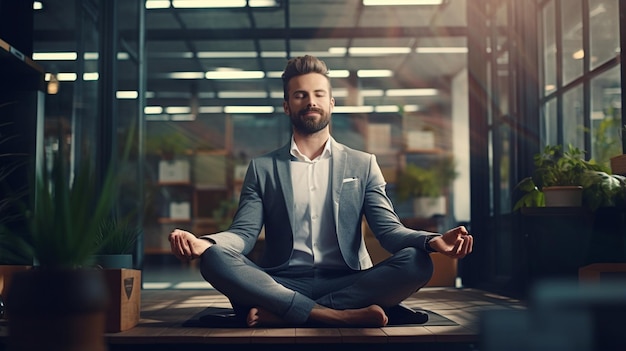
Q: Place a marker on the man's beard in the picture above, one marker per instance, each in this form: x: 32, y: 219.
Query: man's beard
x: 309, y: 125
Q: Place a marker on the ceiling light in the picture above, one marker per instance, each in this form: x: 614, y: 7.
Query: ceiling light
x: 172, y: 55
x: 157, y: 4
x: 374, y: 51
x: 234, y: 75
x: 353, y: 109
x: 412, y: 92
x: 401, y: 2
x: 277, y: 94
x: 248, y: 109
x: 339, y: 73
x: 441, y: 50
x: 153, y: 110
x: 320, y: 54
x: 185, y: 75
x: 242, y: 95
x: 273, y: 54
x: 226, y: 54
x: 66, y: 77
x: 54, y: 56
x: 338, y: 51
x: 91, y: 76
x: 550, y: 87
x: 207, y: 3
x: 37, y: 5
x: 274, y: 74
x: 262, y: 3
x: 387, y: 109
x: 578, y: 55
x: 372, y: 93
x: 372, y: 73
x: 177, y: 109
x: 378, y: 50
x: 210, y: 109
x: 130, y: 94
x: 411, y: 108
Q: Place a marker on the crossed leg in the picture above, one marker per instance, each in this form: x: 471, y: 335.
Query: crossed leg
x: 371, y: 316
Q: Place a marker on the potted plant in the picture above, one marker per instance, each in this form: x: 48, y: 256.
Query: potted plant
x: 14, y: 256
x: 572, y: 227
x: 426, y: 186
x: 63, y: 298
x: 166, y: 144
x: 115, y: 241
x: 558, y: 179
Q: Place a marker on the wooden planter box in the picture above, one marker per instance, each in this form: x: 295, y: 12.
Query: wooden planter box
x: 444, y: 270
x: 124, y: 299
x: 618, y: 164
x: 6, y: 274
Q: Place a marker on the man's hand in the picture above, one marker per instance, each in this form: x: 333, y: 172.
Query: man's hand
x: 455, y: 243
x: 187, y: 246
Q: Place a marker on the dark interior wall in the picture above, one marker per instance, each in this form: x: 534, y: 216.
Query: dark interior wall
x: 16, y: 24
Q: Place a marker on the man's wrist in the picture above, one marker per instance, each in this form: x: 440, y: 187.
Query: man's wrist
x: 208, y: 239
x: 427, y: 246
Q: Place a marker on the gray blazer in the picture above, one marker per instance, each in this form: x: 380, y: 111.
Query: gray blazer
x: 358, y: 188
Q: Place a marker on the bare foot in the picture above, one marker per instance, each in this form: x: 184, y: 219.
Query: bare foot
x: 258, y: 317
x: 371, y: 316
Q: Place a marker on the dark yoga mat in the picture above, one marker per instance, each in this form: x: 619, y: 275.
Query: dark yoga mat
x: 219, y: 317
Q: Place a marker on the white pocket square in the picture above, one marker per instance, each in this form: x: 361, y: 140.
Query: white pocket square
x: 347, y: 180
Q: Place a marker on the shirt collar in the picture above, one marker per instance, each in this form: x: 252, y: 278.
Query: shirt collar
x: 295, y: 152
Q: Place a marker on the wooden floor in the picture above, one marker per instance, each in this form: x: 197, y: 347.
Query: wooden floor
x: 164, y: 311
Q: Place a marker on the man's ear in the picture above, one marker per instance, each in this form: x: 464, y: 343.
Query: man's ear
x: 286, y: 107
x: 332, y: 104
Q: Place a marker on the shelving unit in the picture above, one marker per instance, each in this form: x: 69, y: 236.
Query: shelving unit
x: 191, y: 197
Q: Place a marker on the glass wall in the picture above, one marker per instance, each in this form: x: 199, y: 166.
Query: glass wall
x: 91, y: 52
x: 581, y: 103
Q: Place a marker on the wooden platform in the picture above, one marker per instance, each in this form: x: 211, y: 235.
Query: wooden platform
x: 164, y: 312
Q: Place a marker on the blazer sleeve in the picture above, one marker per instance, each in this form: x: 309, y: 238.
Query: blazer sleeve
x: 247, y: 223
x: 382, y: 218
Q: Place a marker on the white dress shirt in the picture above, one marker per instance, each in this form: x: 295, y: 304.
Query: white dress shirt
x: 315, y: 240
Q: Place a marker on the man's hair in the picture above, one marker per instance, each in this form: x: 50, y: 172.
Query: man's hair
x: 302, y: 65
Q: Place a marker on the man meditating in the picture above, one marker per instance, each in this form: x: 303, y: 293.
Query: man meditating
x: 311, y: 195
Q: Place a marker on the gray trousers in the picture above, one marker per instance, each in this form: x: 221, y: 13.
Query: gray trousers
x: 293, y: 292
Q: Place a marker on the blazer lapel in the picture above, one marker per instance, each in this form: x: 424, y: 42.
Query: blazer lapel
x: 338, y: 170
x: 283, y: 170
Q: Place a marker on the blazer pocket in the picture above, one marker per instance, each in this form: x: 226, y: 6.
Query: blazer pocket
x: 349, y: 184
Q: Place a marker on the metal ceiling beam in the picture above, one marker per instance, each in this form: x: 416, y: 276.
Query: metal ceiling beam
x: 276, y: 33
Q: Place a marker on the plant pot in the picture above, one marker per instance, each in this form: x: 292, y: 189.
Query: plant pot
x: 618, y: 164
x: 563, y: 196
x: 57, y: 310
x: 125, y: 296
x: 114, y: 261
x: 6, y: 276
x: 426, y: 207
